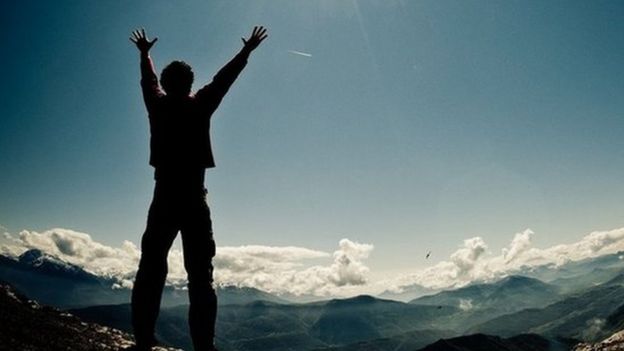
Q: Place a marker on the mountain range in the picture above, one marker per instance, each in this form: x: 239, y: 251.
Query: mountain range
x: 54, y: 282
x: 541, y: 308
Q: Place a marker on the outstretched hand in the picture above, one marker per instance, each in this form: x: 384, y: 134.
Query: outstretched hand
x: 257, y: 36
x: 140, y: 40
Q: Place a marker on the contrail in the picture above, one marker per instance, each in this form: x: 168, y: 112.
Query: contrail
x: 300, y: 53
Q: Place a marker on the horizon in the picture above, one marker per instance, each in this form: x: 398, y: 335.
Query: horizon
x: 304, y: 272
x: 361, y: 136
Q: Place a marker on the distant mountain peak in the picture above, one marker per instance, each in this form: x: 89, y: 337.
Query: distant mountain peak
x: 360, y: 300
x: 40, y: 260
x: 514, y: 281
x: 31, y: 256
x: 363, y: 299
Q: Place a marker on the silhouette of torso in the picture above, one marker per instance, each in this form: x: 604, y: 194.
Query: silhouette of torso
x: 180, y: 137
x: 180, y: 125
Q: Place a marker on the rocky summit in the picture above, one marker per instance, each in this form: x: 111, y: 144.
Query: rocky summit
x: 613, y: 343
x: 29, y: 326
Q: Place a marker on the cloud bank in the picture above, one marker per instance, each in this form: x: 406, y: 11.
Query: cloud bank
x: 273, y: 269
x: 288, y: 269
x: 251, y: 266
x: 472, y: 262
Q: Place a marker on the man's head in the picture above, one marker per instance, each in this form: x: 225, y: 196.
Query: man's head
x: 177, y: 78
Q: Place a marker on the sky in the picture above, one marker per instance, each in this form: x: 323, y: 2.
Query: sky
x: 400, y: 126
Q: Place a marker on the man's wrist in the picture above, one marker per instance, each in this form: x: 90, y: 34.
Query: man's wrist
x: 246, y: 50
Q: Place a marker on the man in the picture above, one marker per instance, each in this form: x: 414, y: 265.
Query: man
x: 180, y: 153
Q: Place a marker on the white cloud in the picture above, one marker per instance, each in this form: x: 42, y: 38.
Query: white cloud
x: 279, y: 270
x: 273, y: 269
x: 472, y: 262
x: 79, y: 249
x: 289, y: 269
x: 520, y: 244
x: 465, y: 304
x: 467, y: 257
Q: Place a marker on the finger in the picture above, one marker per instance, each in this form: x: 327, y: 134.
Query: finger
x: 255, y: 30
x: 244, y: 41
x: 154, y: 40
x: 263, y: 37
x: 261, y: 32
x: 136, y: 35
x: 132, y: 40
x: 143, y: 32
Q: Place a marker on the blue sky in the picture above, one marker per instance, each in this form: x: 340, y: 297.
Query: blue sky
x: 412, y: 126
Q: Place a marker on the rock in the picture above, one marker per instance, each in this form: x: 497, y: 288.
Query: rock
x: 29, y: 326
x: 613, y: 343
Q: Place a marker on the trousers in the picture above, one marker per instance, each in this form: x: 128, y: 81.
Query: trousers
x: 176, y: 208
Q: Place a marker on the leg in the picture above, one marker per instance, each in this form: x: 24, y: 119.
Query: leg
x: 150, y: 278
x: 199, y: 249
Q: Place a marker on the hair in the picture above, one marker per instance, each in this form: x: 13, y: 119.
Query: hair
x: 177, y: 78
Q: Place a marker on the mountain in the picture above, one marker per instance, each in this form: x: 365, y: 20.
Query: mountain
x: 253, y: 320
x: 582, y: 281
x: 408, y: 293
x: 266, y: 326
x: 482, y: 342
x: 27, y: 325
x: 364, y: 317
x: 52, y: 281
x: 233, y: 295
x: 582, y: 316
x: 510, y: 294
x: 578, y: 275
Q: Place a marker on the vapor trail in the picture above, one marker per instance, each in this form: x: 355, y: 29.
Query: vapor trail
x: 300, y: 53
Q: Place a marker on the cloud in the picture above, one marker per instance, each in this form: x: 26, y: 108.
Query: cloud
x: 472, y: 262
x: 465, y: 304
x: 79, y: 249
x: 467, y: 257
x: 296, y: 270
x: 594, y: 329
x: 275, y: 269
x: 279, y: 270
x: 520, y: 244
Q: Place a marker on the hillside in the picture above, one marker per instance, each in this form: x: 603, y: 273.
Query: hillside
x: 579, y: 316
x: 27, y: 325
x: 266, y: 326
x: 510, y: 294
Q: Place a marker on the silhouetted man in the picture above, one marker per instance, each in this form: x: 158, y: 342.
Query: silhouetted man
x: 180, y: 153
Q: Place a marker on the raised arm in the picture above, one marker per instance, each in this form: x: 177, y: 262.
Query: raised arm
x: 149, y: 81
x: 212, y: 94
